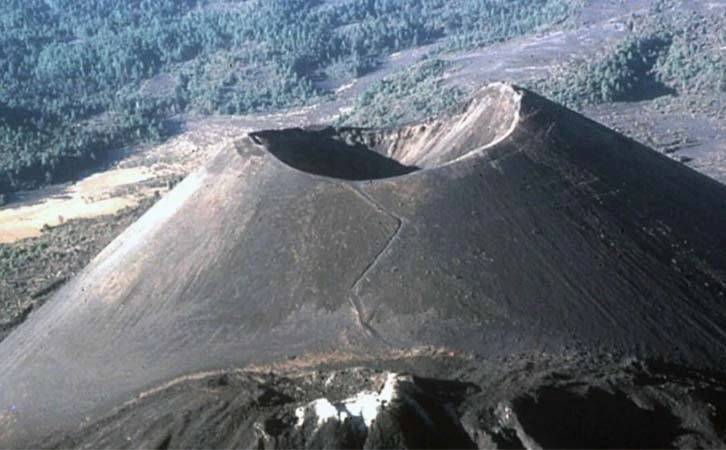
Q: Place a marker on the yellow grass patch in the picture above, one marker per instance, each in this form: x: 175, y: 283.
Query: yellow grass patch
x: 90, y: 197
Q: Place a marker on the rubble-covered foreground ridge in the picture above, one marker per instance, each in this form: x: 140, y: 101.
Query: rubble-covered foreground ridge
x: 525, y: 401
x: 508, y: 226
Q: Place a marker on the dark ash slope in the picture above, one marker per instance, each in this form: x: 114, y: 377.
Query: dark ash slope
x: 513, y: 226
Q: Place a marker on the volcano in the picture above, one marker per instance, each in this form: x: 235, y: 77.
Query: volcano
x: 482, y: 274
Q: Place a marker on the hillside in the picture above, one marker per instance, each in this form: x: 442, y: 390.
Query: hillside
x: 47, y: 235
x: 509, y: 229
x: 79, y: 79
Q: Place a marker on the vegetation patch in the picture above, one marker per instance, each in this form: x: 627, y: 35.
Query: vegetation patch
x: 680, y: 54
x: 624, y: 73
x: 404, y: 97
x: 78, y: 78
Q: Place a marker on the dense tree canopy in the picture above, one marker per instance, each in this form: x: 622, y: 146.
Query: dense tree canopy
x: 78, y: 77
x: 665, y: 54
x: 404, y: 97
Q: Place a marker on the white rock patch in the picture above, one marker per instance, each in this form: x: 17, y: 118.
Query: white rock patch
x: 361, y: 409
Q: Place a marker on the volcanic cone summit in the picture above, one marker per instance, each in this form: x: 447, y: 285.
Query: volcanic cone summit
x: 509, y: 226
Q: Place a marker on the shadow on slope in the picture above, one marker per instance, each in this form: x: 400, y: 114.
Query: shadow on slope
x: 556, y: 418
x: 326, y: 152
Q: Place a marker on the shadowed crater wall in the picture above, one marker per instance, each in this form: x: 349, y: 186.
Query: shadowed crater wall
x: 365, y: 154
x: 327, y: 152
x: 557, y: 418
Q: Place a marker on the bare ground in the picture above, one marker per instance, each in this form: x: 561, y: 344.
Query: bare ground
x: 110, y: 200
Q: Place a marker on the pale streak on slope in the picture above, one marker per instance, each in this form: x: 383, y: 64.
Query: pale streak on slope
x: 491, y: 117
x: 132, y: 240
x: 515, y: 119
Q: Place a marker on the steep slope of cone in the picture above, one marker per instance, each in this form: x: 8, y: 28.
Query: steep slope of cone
x: 512, y: 225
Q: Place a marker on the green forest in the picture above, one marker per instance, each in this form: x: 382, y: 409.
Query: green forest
x: 404, y: 97
x: 80, y: 77
x: 678, y: 54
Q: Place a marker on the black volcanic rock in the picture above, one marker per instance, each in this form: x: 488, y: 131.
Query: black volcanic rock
x: 522, y: 402
x: 510, y: 227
